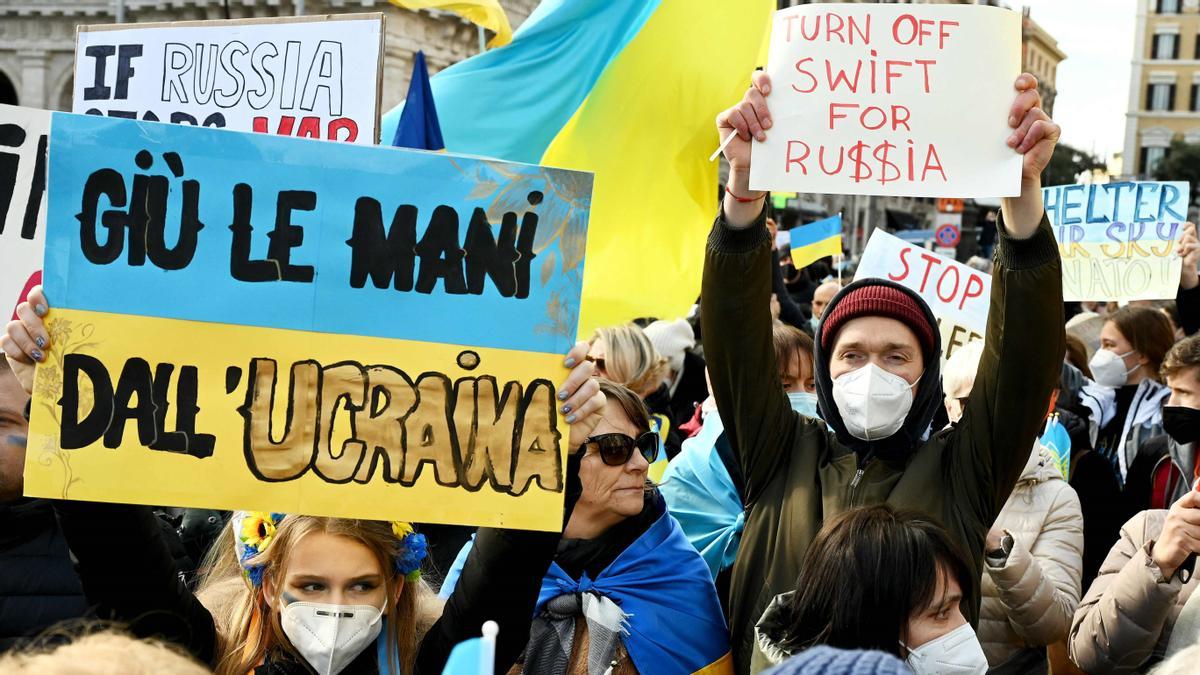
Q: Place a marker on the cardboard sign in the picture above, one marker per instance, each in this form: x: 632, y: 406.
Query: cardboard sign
x: 249, y: 321
x: 312, y: 77
x: 24, y: 133
x: 959, y: 296
x: 1117, y: 240
x: 891, y: 100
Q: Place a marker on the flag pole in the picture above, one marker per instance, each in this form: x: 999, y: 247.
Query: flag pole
x: 482, y: 39
x: 487, y: 655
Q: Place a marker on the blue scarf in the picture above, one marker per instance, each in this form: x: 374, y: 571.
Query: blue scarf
x: 702, y: 497
x: 674, y: 621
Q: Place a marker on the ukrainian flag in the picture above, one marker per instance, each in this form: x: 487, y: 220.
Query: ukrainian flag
x: 486, y: 13
x: 627, y: 89
x: 816, y: 240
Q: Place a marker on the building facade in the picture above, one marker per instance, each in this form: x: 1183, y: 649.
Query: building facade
x: 1040, y: 56
x: 1164, y: 83
x: 37, y: 37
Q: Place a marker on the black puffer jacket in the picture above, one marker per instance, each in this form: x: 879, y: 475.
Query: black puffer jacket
x: 38, y: 586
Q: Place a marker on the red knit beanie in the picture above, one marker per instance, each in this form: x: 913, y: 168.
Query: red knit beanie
x: 879, y: 300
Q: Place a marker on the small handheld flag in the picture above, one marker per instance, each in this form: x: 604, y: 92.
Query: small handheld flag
x: 809, y: 243
x: 476, y: 656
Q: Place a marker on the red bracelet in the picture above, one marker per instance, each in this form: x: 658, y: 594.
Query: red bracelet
x: 729, y: 191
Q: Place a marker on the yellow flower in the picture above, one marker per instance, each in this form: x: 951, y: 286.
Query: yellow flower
x: 401, y: 530
x: 257, y: 530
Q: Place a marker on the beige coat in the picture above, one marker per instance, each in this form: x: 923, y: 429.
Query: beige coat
x: 1126, y: 618
x: 1029, y: 600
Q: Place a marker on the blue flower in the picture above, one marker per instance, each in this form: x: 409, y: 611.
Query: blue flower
x: 415, y: 550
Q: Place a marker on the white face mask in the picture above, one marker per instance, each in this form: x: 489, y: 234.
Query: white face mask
x: 955, y: 653
x: 1108, y: 368
x: 330, y: 637
x: 872, y: 401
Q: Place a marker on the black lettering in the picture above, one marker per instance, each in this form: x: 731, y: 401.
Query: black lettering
x: 110, y: 184
x: 98, y: 91
x: 441, y: 257
x: 11, y: 136
x: 184, y: 439
x: 241, y: 267
x: 76, y: 433
x: 529, y: 225
x: 181, y: 255
x: 287, y: 236
x: 387, y: 260
x: 135, y: 380
x: 486, y: 256
x: 125, y: 55
x: 37, y: 189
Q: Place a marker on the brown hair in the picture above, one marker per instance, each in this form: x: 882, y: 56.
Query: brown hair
x: 254, y: 629
x: 1185, y: 354
x: 629, y: 402
x: 867, y: 571
x: 791, y: 342
x: 1077, y: 355
x: 630, y: 358
x: 1148, y: 331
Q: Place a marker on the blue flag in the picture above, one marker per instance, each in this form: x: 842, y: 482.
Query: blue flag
x: 418, y: 127
x: 468, y: 658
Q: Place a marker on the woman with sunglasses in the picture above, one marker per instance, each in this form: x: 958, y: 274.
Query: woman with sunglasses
x: 626, y: 589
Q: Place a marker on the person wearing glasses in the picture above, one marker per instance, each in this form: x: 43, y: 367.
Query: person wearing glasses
x: 626, y: 589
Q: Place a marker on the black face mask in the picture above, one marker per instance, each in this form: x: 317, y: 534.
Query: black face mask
x: 1181, y: 424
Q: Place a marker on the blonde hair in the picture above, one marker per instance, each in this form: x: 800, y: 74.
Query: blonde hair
x: 250, y: 629
x: 108, y: 652
x: 958, y: 375
x: 631, y: 359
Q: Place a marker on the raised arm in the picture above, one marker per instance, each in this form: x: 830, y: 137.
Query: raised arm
x: 736, y: 316
x: 1025, y: 340
x: 1187, y: 302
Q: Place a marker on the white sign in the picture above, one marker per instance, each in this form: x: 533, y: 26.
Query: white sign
x: 1117, y: 240
x: 312, y: 77
x: 24, y: 136
x: 959, y: 296
x: 891, y: 100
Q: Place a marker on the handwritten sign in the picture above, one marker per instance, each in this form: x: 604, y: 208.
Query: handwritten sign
x: 250, y: 321
x: 891, y: 100
x: 312, y: 77
x: 1117, y: 240
x: 24, y: 133
x: 959, y: 296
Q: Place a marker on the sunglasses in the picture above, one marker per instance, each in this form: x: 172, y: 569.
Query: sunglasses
x: 616, y: 449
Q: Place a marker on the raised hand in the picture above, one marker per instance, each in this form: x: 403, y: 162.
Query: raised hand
x: 1034, y: 136
x: 580, y: 398
x: 750, y: 119
x: 1189, y: 250
x: 26, y: 340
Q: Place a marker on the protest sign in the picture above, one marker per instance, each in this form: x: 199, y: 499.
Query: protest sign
x: 1117, y: 240
x: 891, y: 100
x: 312, y: 77
x: 958, y: 295
x: 23, y: 137
x: 249, y: 321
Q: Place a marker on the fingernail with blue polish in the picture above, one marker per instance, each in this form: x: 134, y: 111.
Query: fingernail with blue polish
x: 570, y: 419
x: 562, y: 395
x: 37, y: 355
x: 40, y: 342
x: 566, y: 409
x: 570, y: 363
x: 40, y: 310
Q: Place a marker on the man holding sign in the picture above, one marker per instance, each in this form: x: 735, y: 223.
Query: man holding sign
x: 878, y: 381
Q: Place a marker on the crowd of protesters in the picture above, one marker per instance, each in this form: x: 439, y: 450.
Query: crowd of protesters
x: 791, y: 480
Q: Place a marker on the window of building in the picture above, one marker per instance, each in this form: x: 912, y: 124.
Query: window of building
x: 1165, y: 46
x: 1151, y: 158
x: 1168, y: 6
x: 1195, y: 92
x: 1160, y: 97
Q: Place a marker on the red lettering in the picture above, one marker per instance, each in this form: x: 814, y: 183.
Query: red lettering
x: 898, y: 121
x: 788, y: 20
x: 831, y: 31
x: 932, y: 162
x: 346, y: 123
x: 890, y: 74
x: 903, y: 261
x: 310, y: 127
x: 833, y: 116
x: 953, y: 289
x: 796, y: 160
x: 835, y: 82
x: 802, y: 71
x: 883, y: 118
x: 974, y: 289
x: 925, y: 63
x: 930, y: 261
x: 944, y: 33
x: 821, y: 161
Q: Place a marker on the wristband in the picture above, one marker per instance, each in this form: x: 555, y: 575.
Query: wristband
x: 742, y: 200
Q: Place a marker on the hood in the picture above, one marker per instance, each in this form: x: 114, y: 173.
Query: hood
x: 926, y: 397
x: 1040, y: 467
x: 771, y: 628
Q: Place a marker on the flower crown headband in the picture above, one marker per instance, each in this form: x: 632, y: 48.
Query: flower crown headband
x: 253, y: 532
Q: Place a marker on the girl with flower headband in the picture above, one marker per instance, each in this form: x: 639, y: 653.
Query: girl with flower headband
x: 324, y: 595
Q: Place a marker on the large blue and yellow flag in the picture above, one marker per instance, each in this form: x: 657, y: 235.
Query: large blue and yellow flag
x: 486, y: 13
x: 627, y: 89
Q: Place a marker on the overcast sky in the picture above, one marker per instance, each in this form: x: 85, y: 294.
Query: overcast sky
x: 1093, y: 83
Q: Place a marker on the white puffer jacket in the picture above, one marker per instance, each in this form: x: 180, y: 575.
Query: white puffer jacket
x: 1029, y: 600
